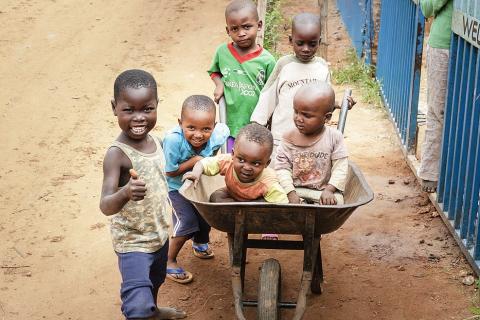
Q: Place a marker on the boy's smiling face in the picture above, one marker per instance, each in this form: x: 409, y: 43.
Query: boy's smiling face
x: 136, y: 111
x: 305, y: 40
x: 249, y: 159
x: 197, y: 126
x: 242, y: 27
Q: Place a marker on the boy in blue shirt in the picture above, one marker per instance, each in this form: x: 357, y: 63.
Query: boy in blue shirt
x: 197, y: 136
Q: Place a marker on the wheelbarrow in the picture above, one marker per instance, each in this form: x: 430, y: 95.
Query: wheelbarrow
x: 239, y: 219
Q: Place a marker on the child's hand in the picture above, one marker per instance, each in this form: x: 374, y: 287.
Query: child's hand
x: 218, y: 92
x: 351, y: 102
x: 135, y: 188
x: 293, y: 197
x: 192, y: 177
x: 327, y: 198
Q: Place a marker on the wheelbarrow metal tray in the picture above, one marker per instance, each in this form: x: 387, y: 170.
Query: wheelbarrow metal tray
x: 262, y: 217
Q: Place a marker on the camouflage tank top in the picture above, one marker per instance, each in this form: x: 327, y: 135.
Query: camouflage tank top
x: 143, y: 225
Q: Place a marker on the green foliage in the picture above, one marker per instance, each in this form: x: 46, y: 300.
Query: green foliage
x: 357, y: 73
x: 272, y: 25
x: 475, y: 311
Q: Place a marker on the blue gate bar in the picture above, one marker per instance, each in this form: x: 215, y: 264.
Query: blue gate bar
x: 449, y: 130
x: 473, y: 172
x: 452, y: 75
x: 457, y: 127
x: 459, y: 181
x: 461, y: 217
x: 357, y: 17
x: 400, y: 46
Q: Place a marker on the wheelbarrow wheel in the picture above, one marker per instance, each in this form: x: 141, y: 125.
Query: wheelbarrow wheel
x: 269, y: 291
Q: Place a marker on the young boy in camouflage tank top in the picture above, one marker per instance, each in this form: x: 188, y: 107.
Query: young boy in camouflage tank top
x: 134, y: 193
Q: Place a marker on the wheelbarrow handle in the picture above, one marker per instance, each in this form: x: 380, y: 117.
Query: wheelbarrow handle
x: 222, y: 114
x: 342, y: 118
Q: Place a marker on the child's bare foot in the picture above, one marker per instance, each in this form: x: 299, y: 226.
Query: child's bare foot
x: 429, y: 186
x: 177, y: 274
x: 170, y: 313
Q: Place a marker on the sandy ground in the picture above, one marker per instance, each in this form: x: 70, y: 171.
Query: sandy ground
x: 59, y: 60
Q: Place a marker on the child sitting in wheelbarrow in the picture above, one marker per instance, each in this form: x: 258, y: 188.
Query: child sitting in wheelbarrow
x: 312, y: 160
x: 246, y: 171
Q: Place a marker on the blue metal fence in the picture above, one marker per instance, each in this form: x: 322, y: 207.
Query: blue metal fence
x: 357, y: 17
x: 399, y: 58
x: 459, y: 182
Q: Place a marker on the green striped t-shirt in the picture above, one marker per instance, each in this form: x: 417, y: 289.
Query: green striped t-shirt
x: 243, y: 78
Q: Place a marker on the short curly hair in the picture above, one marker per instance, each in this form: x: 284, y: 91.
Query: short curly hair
x: 305, y: 19
x: 237, y: 5
x: 258, y: 134
x: 198, y: 102
x: 134, y: 79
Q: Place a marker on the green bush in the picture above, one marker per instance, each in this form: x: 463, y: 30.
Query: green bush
x: 272, y: 24
x: 357, y: 73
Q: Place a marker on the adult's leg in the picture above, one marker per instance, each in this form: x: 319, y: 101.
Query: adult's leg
x: 136, y: 289
x: 437, y: 70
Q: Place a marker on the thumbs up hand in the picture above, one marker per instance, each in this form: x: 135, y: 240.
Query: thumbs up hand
x: 135, y: 188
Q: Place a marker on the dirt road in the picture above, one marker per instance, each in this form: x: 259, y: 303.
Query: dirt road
x: 59, y: 60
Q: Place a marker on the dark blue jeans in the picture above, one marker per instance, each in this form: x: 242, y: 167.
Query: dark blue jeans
x: 142, y: 276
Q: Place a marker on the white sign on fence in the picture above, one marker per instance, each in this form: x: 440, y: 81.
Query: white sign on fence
x: 466, y: 27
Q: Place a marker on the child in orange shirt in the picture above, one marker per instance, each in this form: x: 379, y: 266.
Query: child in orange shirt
x: 247, y: 176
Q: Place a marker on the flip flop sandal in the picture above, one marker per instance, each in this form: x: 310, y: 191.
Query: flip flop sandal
x: 173, y: 273
x: 170, y: 313
x: 269, y: 236
x: 202, y: 251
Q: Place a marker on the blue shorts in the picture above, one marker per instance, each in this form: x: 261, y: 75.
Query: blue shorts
x: 142, y: 275
x: 187, y: 222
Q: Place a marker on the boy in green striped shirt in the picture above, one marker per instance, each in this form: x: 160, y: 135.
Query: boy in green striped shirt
x: 240, y: 68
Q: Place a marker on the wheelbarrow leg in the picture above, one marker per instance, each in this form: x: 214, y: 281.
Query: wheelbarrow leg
x: 230, y: 248
x: 311, y: 244
x: 317, y: 271
x: 238, y: 262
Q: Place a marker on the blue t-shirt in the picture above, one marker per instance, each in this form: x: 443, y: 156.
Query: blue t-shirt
x: 177, y: 150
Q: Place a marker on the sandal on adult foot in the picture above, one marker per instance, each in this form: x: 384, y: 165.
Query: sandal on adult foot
x: 165, y: 313
x: 179, y: 275
x: 269, y: 236
x: 202, y: 251
x: 429, y: 186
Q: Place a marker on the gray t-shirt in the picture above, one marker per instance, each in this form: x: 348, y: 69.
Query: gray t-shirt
x: 311, y: 166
